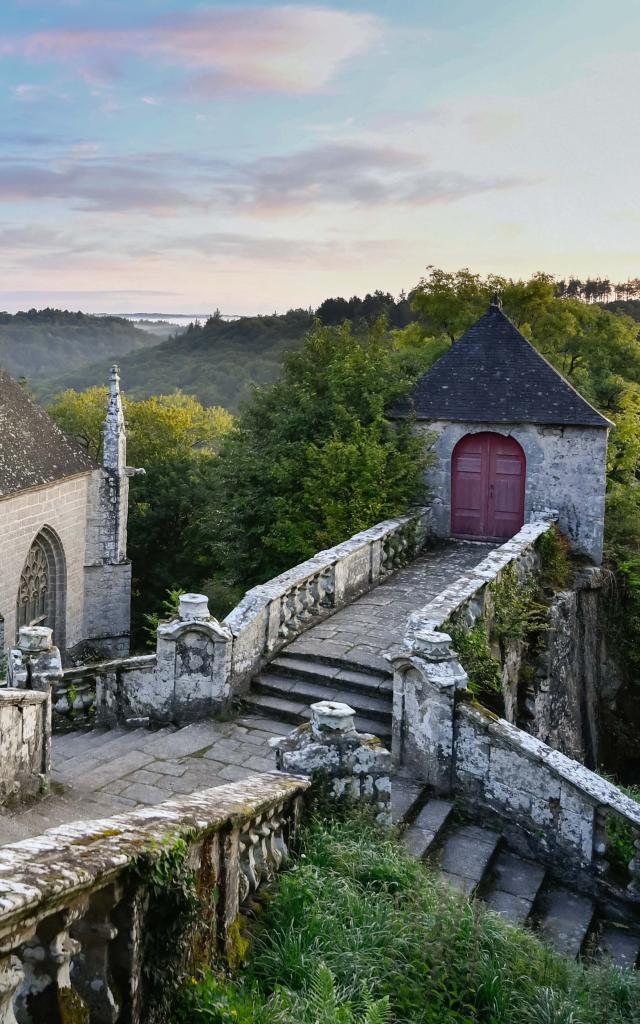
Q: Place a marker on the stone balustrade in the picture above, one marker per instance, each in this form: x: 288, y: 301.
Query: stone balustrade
x: 551, y: 806
x: 274, y: 613
x: 77, y: 904
x: 201, y: 664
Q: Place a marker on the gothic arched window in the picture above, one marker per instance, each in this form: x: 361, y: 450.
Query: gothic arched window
x: 41, y: 593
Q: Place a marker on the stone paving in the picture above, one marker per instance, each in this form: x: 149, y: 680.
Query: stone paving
x: 96, y: 774
x: 375, y: 623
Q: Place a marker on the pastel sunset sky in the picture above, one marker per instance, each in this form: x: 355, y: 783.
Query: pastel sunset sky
x: 167, y: 155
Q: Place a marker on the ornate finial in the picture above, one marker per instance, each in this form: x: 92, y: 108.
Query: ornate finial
x: 115, y: 375
x: 496, y: 300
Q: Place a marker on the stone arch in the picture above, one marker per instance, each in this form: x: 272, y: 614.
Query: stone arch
x: 42, y: 591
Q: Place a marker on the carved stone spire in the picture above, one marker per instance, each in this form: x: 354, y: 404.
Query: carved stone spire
x: 114, y: 435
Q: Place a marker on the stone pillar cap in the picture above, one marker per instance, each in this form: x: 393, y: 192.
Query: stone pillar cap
x: 431, y: 644
x: 35, y: 638
x: 194, y: 606
x: 333, y: 716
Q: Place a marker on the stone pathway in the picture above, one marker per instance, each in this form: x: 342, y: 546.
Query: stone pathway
x: 375, y: 623
x: 96, y: 774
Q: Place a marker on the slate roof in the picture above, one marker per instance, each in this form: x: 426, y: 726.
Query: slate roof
x: 494, y: 375
x: 33, y: 450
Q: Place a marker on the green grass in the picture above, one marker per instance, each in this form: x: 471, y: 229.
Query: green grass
x: 359, y: 933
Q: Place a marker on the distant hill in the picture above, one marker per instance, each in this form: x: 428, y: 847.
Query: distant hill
x: 217, y: 361
x: 48, y: 342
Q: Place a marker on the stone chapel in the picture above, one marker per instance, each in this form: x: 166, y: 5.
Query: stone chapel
x: 512, y: 439
x: 63, y: 528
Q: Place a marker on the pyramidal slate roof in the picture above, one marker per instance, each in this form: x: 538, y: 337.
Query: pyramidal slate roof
x: 33, y: 450
x: 494, y: 375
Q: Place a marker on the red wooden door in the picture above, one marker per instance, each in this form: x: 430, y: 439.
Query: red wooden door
x: 487, y: 486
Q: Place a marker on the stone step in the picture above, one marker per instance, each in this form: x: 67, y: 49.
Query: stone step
x: 467, y: 855
x: 355, y: 660
x: 405, y: 794
x: 119, y: 744
x: 430, y: 822
x: 290, y: 711
x: 619, y: 944
x: 301, y: 667
x: 70, y: 744
x: 305, y: 692
x: 565, y: 919
x: 513, y: 886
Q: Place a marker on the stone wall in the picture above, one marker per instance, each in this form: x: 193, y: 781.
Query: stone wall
x: 550, y: 806
x: 62, y: 507
x: 565, y: 470
x: 76, y: 935
x: 25, y: 729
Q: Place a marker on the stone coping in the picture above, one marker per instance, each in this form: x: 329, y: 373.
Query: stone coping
x: 259, y: 597
x: 18, y: 698
x: 435, y: 614
x: 128, y: 663
x: 598, y: 790
x: 44, y: 872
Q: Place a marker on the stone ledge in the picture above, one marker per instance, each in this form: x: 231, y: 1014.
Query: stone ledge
x: 18, y: 698
x: 37, y: 874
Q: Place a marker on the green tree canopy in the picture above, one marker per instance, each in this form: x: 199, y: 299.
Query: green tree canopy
x: 313, y: 459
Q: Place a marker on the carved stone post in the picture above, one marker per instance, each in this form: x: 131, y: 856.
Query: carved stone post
x: 345, y: 763
x: 11, y: 976
x: 35, y: 664
x: 424, y: 686
x: 194, y: 662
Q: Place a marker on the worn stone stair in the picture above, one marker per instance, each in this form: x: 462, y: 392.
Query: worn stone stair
x: 478, y: 861
x: 291, y: 682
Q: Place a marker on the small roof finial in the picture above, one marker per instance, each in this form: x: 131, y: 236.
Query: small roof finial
x: 496, y: 300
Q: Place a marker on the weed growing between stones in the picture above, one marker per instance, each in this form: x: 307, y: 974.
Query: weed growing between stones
x: 358, y: 932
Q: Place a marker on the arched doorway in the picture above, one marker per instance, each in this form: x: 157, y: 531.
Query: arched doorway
x: 487, y: 486
x: 43, y: 585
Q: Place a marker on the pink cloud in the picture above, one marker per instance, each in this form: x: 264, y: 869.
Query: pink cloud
x: 288, y: 48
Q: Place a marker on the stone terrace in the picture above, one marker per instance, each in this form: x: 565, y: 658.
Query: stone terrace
x: 99, y: 773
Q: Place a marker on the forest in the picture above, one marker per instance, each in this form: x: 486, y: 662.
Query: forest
x: 44, y: 342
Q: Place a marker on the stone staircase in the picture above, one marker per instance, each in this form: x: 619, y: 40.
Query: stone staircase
x: 292, y: 681
x: 478, y: 861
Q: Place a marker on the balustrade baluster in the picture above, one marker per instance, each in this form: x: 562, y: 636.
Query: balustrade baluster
x: 11, y: 977
x: 47, y: 994
x: 634, y: 866
x: 91, y: 969
x: 600, y: 844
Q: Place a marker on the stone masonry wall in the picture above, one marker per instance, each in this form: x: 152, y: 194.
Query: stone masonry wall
x: 565, y: 470
x: 63, y: 507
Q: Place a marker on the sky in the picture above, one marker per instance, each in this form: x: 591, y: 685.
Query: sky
x: 173, y: 156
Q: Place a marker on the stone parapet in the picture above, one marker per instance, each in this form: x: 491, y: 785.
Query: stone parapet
x: 76, y: 902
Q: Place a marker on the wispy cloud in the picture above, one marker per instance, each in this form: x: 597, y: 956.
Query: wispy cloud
x: 287, y: 48
x: 95, y: 186
x: 352, y: 174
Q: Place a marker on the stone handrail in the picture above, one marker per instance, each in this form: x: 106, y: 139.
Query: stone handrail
x: 271, y: 615
x: 549, y: 804
x: 101, y: 694
x: 74, y: 901
x: 469, y: 589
